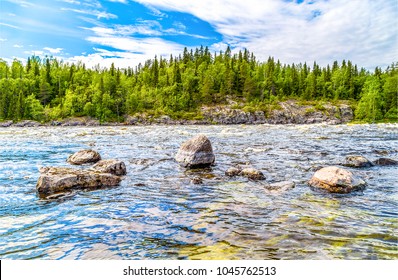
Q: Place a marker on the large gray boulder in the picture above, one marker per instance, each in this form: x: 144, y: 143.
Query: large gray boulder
x: 84, y: 156
x: 196, y: 152
x: 112, y: 166
x: 336, y: 180
x: 357, y: 161
x: 60, y: 179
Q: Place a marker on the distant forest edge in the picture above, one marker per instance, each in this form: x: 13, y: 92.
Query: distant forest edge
x: 46, y: 89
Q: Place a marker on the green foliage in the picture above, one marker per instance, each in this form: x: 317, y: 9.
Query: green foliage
x: 371, y: 103
x: 49, y: 89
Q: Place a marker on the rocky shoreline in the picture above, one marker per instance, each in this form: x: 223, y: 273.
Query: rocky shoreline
x: 288, y: 112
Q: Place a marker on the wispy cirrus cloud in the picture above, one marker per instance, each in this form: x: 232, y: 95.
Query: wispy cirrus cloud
x: 22, y: 3
x: 96, y: 13
x: 10, y: 25
x: 119, y: 1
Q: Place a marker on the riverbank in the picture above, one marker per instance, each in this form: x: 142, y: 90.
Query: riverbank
x: 287, y: 112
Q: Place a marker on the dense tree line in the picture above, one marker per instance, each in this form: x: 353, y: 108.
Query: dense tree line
x: 49, y: 89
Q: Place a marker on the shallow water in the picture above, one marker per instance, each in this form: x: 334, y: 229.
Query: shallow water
x: 157, y: 213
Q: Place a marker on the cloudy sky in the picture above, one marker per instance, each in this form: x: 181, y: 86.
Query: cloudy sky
x: 127, y: 32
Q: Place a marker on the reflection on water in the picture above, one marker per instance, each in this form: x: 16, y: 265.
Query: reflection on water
x: 157, y: 213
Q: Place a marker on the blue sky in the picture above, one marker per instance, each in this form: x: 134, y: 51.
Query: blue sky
x: 128, y: 32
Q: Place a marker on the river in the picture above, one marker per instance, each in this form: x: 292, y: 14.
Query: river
x: 157, y: 213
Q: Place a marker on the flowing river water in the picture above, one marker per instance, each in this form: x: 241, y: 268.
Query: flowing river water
x: 158, y: 213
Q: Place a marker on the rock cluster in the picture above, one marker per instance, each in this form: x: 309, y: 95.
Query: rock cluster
x: 249, y: 172
x: 104, y: 173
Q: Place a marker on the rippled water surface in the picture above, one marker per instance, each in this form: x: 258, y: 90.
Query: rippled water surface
x: 157, y: 213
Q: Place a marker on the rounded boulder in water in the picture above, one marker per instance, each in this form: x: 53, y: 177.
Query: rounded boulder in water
x: 336, y: 180
x: 83, y: 157
x: 196, y: 152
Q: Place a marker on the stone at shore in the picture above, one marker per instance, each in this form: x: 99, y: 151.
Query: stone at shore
x: 6, y: 123
x: 196, y: 152
x: 357, y: 161
x: 59, y: 179
x: 252, y: 174
x: 84, y: 156
x: 27, y: 123
x: 112, y: 166
x: 336, y: 180
x: 385, y: 162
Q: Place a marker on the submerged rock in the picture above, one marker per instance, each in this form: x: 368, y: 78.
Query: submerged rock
x: 59, y: 179
x: 233, y: 171
x: 112, y: 166
x: 385, y: 162
x: 84, y: 156
x: 336, y: 180
x: 196, y: 181
x: 249, y: 172
x: 196, y: 152
x: 357, y: 161
x: 280, y: 187
x: 252, y: 174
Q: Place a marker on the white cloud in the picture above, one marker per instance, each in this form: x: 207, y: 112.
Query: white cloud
x: 142, y: 27
x: 9, y: 25
x: 24, y: 4
x: 37, y: 52
x: 53, y: 51
x: 149, y: 46
x: 119, y: 1
x: 17, y: 46
x: 96, y: 13
x: 3, y: 39
x: 363, y: 31
x: 132, y: 54
x: 74, y: 2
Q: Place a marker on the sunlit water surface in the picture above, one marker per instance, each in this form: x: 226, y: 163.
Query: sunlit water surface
x: 157, y: 213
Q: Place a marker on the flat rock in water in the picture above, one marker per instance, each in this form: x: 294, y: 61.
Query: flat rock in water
x: 84, y: 156
x: 196, y: 152
x: 59, y: 179
x: 252, y: 174
x: 336, y: 180
x: 112, y: 166
x: 357, y: 161
x: 385, y: 162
